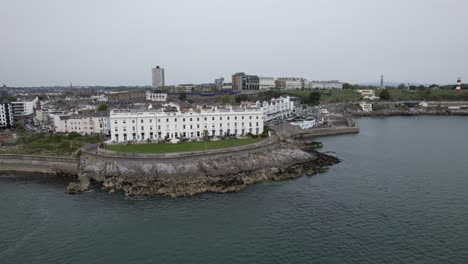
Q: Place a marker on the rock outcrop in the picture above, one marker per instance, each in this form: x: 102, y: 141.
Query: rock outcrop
x: 193, y: 175
x: 81, y: 185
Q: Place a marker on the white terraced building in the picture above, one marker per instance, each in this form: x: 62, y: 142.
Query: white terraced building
x: 172, y: 123
x: 84, y: 123
x: 277, y: 108
x: 156, y: 96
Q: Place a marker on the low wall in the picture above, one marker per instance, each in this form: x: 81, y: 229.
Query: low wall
x: 203, y: 153
x: 100, y: 162
x: 328, y: 131
x: 39, y: 164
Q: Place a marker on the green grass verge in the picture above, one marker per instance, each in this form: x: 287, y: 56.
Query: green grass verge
x: 329, y: 96
x: 54, y: 145
x: 183, y: 147
x: 336, y: 96
x: 427, y: 95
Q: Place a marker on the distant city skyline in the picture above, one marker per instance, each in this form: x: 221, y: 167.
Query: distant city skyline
x: 50, y: 43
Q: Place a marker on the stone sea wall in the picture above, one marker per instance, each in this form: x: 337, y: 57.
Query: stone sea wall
x: 38, y: 164
x: 179, y: 174
x: 186, y: 174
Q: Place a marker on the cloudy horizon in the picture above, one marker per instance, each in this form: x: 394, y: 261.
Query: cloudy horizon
x: 51, y: 42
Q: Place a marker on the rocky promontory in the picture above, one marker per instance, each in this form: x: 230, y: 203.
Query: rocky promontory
x: 191, y: 175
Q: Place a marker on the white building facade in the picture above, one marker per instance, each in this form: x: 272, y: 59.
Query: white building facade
x: 365, y: 106
x: 329, y: 85
x: 97, y: 123
x: 24, y: 108
x: 156, y: 97
x: 267, y: 83
x: 291, y: 83
x: 281, y: 107
x: 172, y: 123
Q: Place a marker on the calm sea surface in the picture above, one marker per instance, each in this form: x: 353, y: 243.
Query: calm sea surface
x: 399, y: 196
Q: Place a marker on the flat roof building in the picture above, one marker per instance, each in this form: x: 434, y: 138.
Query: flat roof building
x: 242, y: 81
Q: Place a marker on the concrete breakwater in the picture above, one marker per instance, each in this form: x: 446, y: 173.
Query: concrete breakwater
x: 179, y: 174
x: 287, y: 130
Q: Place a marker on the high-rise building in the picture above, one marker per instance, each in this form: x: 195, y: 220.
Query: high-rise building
x: 219, y: 83
x: 242, y: 81
x: 6, y: 114
x: 381, y: 82
x: 158, y: 77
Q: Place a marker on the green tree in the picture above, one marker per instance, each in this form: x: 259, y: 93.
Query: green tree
x: 385, y: 95
x: 348, y: 86
x: 241, y: 97
x: 182, y: 96
x: 225, y: 99
x: 314, y: 98
x: 103, y: 107
x: 12, y: 98
x: 401, y: 86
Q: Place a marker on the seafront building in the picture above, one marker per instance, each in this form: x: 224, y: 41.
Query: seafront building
x: 368, y: 95
x: 85, y: 122
x: 366, y: 106
x: 158, y: 77
x: 277, y: 108
x: 172, y: 123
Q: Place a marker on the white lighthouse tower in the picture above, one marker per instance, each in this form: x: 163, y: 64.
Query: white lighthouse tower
x: 458, y: 88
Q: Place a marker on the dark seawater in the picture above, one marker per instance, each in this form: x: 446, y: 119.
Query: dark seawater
x: 399, y: 196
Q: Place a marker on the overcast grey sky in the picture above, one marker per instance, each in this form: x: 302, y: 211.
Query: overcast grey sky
x: 116, y: 42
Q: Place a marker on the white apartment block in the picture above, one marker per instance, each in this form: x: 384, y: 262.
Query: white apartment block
x: 86, y: 123
x: 276, y: 108
x: 6, y: 115
x: 329, y: 85
x: 24, y: 108
x: 156, y: 97
x: 267, y: 83
x: 172, y: 123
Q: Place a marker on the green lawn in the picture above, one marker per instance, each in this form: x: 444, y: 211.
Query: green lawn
x: 335, y: 96
x: 328, y: 96
x: 56, y: 145
x: 183, y: 147
x: 428, y: 95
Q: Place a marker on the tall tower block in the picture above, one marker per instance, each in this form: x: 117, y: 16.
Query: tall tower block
x: 381, y: 82
x: 158, y: 77
x: 458, y: 88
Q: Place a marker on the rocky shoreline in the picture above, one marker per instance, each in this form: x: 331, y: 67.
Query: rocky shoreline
x: 289, y: 161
